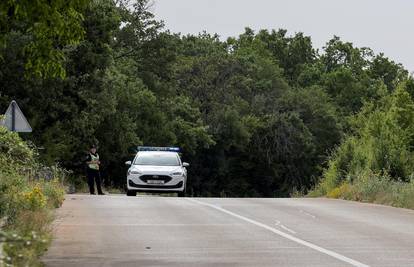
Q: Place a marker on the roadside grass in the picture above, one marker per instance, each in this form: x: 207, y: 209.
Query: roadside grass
x: 297, y: 193
x: 81, y: 187
x: 29, y: 192
x: 113, y: 190
x: 78, y: 184
x: 372, y: 188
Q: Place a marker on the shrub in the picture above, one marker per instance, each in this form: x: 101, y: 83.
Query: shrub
x: 338, y: 168
x: 54, y: 193
x: 344, y: 191
x: 23, y: 250
x: 375, y: 162
x: 14, y: 152
x: 28, y: 191
x: 369, y: 187
x: 405, y: 198
x: 377, y: 188
x: 77, y: 183
x: 34, y: 199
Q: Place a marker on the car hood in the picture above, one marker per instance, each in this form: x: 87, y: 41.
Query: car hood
x: 156, y: 169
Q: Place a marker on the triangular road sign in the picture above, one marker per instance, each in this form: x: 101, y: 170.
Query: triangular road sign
x: 15, y: 120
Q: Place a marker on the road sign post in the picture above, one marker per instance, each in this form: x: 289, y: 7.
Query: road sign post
x: 13, y: 128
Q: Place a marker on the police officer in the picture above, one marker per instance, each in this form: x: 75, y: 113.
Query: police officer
x: 92, y: 166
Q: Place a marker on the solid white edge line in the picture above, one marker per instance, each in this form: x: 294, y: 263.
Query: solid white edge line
x: 285, y: 235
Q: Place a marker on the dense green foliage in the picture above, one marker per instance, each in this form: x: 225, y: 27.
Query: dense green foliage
x: 37, y: 30
x: 28, y: 193
x: 256, y: 115
x: 375, y: 161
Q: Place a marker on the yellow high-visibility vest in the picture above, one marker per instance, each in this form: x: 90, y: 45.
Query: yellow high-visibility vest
x: 94, y: 166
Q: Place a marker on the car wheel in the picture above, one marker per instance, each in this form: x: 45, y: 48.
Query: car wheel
x: 131, y: 193
x: 182, y: 193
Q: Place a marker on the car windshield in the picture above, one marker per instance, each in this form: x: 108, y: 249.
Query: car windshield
x: 162, y: 159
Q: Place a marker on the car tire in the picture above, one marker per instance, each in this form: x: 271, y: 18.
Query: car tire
x: 131, y: 193
x: 182, y: 193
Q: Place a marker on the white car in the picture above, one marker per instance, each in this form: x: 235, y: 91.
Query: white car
x: 158, y: 170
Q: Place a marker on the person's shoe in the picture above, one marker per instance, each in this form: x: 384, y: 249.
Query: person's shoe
x: 92, y: 193
x: 101, y: 193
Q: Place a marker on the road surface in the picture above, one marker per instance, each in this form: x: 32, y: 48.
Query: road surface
x: 116, y: 230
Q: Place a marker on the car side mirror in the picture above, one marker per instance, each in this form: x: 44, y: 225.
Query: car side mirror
x: 185, y: 164
x: 128, y: 163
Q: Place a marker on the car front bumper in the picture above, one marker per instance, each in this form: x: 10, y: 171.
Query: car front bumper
x: 174, y: 184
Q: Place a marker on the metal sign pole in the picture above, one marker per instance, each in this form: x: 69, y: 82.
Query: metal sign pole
x: 13, y: 117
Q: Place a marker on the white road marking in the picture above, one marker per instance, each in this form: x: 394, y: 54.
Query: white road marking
x: 285, y: 235
x: 287, y: 229
x: 304, y: 212
x: 146, y: 224
x: 284, y: 227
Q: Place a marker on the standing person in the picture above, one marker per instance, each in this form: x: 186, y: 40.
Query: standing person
x: 92, y: 167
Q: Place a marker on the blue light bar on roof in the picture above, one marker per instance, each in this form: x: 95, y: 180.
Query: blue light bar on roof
x: 153, y: 148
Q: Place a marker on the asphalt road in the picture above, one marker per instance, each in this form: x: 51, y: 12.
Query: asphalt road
x: 117, y: 230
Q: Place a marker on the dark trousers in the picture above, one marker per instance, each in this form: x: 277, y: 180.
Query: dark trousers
x: 94, y: 177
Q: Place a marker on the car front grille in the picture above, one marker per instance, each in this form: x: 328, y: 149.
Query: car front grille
x: 164, y: 178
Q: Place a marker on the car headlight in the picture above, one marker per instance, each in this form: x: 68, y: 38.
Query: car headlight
x: 133, y: 172
x: 177, y: 173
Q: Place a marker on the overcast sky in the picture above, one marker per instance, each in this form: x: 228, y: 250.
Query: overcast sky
x: 383, y: 25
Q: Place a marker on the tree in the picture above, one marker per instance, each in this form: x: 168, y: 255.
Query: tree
x: 257, y: 115
x: 380, y: 143
x: 387, y: 71
x: 47, y: 27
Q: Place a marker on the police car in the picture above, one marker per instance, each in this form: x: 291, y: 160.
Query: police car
x: 157, y: 169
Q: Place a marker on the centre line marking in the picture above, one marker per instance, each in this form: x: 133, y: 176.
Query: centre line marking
x: 285, y: 235
x: 304, y: 212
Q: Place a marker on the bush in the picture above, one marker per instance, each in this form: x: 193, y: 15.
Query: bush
x: 24, y: 249
x: 27, y: 194
x: 77, y: 183
x: 54, y: 192
x: 395, y: 193
x: 344, y: 191
x: 375, y: 162
x: 15, y: 154
x: 404, y: 195
x: 371, y: 187
x: 34, y: 199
